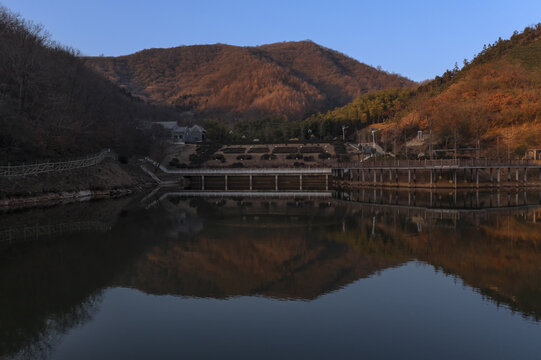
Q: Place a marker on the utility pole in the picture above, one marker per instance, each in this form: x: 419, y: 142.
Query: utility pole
x: 455, y: 143
x: 478, y: 145
x: 344, y: 127
x: 429, y: 137
x: 405, y: 140
x: 509, y: 147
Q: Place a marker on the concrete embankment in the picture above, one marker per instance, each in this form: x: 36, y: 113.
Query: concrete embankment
x: 107, y: 180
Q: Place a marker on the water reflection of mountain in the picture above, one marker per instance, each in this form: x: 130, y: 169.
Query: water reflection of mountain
x: 284, y: 264
x: 304, y: 248
x: 281, y: 248
x: 249, y: 247
x: 497, y: 251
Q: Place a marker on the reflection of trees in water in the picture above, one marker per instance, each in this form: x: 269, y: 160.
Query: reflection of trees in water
x: 499, y: 254
x: 286, y: 249
x: 441, y: 199
x: 48, y: 289
x: 39, y: 342
x: 49, y: 286
x: 223, y: 262
x: 496, y: 252
x: 275, y: 254
x: 42, y: 223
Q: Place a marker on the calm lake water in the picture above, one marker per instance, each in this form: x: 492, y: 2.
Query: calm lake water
x: 373, y: 275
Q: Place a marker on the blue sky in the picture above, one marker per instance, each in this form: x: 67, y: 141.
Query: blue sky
x: 418, y: 39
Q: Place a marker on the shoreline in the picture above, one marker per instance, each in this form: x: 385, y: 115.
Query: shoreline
x: 111, y: 180
x: 67, y: 197
x: 108, y: 180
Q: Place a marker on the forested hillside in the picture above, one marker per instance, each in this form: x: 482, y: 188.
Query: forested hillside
x: 54, y: 103
x: 372, y: 108
x: 290, y: 79
x: 494, y: 101
x: 53, y: 106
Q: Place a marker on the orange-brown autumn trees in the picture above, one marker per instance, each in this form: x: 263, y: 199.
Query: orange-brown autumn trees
x: 290, y: 79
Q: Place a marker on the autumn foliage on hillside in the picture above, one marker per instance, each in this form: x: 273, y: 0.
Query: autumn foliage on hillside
x: 495, y: 99
x: 291, y: 79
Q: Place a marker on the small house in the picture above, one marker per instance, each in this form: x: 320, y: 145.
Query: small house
x: 533, y: 154
x: 183, y: 134
x: 195, y: 134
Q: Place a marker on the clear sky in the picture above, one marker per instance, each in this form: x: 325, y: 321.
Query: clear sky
x: 418, y: 39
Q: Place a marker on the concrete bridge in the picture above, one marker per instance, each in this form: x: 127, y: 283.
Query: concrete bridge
x: 471, y: 171
x: 250, y: 179
x: 442, y: 173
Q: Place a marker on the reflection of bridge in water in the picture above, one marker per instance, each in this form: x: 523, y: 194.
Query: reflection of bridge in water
x: 156, y: 197
x: 477, y: 207
x: 437, y: 199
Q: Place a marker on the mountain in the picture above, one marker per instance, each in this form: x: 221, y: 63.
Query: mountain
x: 290, y: 79
x: 493, y: 101
x: 53, y: 106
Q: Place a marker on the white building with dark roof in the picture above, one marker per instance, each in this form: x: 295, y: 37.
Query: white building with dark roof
x: 183, y: 134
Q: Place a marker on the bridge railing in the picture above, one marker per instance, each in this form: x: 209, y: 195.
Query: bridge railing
x: 282, y: 170
x: 482, y: 162
x: 49, y: 166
